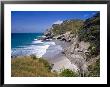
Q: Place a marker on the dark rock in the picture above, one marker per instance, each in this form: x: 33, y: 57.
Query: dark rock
x: 63, y: 52
x: 68, y: 40
x: 63, y: 39
x: 58, y: 37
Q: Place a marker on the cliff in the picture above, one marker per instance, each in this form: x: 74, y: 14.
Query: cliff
x: 84, y: 37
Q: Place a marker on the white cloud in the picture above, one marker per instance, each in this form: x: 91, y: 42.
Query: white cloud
x: 58, y: 22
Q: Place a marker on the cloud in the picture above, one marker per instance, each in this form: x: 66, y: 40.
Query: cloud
x: 58, y: 22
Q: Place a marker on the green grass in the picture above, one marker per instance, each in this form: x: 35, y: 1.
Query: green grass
x: 68, y: 73
x: 30, y: 67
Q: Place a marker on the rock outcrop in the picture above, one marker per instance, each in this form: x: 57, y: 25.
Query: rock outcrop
x: 64, y: 37
x: 76, y: 53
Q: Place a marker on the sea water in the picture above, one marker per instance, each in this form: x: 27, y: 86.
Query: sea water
x: 25, y: 44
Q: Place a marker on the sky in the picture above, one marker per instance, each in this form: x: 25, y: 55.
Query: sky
x: 40, y: 21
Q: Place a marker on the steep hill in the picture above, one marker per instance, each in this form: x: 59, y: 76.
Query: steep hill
x: 84, y: 37
x: 90, y: 32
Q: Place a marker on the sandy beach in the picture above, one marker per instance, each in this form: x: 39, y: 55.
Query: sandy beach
x: 59, y: 60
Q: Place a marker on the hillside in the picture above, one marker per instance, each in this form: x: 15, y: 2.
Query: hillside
x: 84, y: 37
x: 91, y: 33
x: 87, y: 31
x: 67, y: 26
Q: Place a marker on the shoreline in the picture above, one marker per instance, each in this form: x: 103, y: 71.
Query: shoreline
x: 59, y: 60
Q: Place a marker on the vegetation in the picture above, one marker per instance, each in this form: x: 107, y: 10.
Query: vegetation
x: 68, y: 73
x: 67, y: 25
x: 94, y: 69
x: 30, y: 67
x: 90, y: 32
x: 33, y: 56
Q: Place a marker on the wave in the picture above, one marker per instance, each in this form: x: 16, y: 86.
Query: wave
x: 37, y: 41
x: 36, y: 50
x: 49, y: 43
x: 37, y: 47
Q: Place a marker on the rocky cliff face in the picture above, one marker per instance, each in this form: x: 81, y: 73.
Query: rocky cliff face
x: 76, y: 53
x: 84, y: 37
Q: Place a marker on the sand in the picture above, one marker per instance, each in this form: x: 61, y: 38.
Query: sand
x: 61, y: 63
x: 59, y: 60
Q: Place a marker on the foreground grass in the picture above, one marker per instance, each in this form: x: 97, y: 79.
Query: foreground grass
x: 31, y: 67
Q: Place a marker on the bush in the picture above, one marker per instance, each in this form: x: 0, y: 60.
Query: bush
x: 90, y: 32
x: 94, y: 69
x: 33, y: 56
x: 46, y: 64
x: 67, y: 25
x: 68, y: 73
x: 94, y: 49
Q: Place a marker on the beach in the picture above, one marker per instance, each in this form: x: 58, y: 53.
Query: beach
x: 50, y: 50
x: 57, y: 58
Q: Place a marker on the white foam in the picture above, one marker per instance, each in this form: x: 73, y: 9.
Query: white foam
x: 43, y: 36
x: 37, y: 41
x: 37, y: 48
x: 32, y: 49
x: 49, y: 43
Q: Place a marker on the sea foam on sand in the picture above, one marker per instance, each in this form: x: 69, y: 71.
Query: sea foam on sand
x: 38, y: 48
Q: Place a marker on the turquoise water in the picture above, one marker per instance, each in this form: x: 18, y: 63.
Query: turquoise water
x: 24, y: 44
x: 23, y: 39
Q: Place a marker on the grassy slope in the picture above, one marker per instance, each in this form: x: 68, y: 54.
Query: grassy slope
x: 29, y: 67
x: 36, y: 67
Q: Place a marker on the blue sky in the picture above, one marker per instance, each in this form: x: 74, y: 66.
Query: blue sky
x: 39, y: 21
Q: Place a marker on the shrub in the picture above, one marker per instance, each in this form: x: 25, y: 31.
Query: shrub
x: 90, y: 32
x: 68, y: 73
x: 46, y: 64
x: 94, y: 69
x: 33, y: 56
x: 67, y: 25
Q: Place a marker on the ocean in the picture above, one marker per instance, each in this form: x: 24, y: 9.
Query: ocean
x: 25, y: 44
